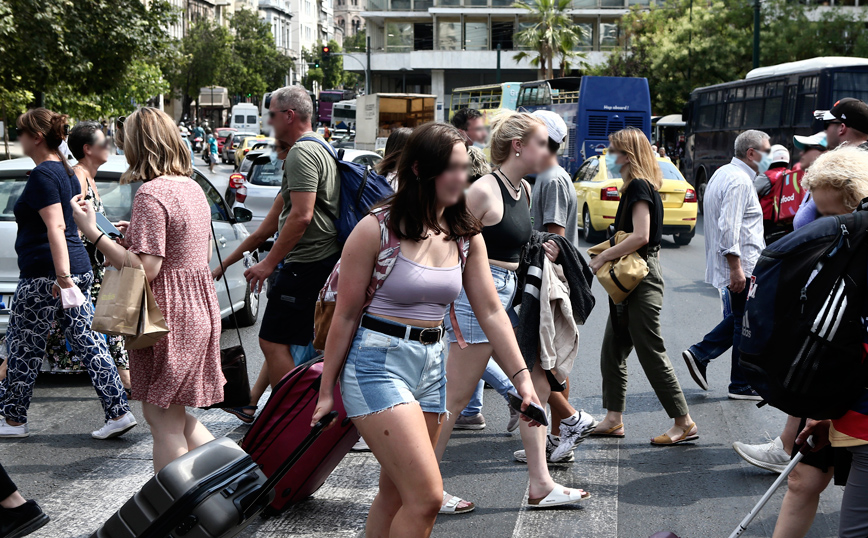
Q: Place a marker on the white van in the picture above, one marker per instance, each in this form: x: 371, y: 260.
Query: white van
x: 245, y: 117
x: 266, y: 102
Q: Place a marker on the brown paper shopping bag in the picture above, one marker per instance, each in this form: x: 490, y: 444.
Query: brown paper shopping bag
x: 119, y: 304
x: 152, y: 324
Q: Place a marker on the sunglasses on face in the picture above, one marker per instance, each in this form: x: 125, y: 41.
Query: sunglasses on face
x: 273, y: 113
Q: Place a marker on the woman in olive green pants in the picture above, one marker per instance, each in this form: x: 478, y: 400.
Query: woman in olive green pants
x: 635, y: 323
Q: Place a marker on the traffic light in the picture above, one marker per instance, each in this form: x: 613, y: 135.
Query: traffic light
x: 326, y: 52
x: 316, y: 63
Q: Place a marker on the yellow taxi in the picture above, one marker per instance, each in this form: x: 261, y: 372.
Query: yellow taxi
x: 598, y: 192
x: 244, y: 148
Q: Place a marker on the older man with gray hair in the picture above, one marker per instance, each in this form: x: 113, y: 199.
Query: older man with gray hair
x: 307, y: 244
x: 733, y: 241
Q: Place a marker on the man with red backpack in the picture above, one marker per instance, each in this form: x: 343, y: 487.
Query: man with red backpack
x: 780, y: 195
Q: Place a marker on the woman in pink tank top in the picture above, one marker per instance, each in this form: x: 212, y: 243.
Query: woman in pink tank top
x: 394, y: 361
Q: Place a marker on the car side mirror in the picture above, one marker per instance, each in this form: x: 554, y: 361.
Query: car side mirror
x: 242, y: 214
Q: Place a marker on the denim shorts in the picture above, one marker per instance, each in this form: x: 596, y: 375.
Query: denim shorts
x: 383, y: 371
x: 505, y: 281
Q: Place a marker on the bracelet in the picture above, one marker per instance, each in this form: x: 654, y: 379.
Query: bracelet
x: 98, y: 238
x: 520, y: 371
x: 65, y: 276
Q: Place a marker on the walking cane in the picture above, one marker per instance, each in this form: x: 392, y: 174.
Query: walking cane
x: 809, y: 444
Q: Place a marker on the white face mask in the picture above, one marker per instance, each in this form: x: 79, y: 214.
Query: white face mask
x: 763, y: 164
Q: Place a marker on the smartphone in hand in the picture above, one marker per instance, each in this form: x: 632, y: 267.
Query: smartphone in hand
x: 533, y: 411
x: 106, y: 227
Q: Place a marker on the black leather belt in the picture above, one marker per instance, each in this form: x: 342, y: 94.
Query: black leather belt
x: 427, y: 336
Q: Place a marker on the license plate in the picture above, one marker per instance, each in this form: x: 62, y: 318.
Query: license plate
x: 5, y: 302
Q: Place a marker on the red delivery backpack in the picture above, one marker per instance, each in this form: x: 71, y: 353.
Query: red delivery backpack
x: 771, y: 182
x: 788, y: 194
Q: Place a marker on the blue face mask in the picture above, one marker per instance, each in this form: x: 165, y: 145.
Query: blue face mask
x: 611, y: 165
x: 763, y: 165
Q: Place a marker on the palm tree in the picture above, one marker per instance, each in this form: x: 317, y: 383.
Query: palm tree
x: 567, y: 44
x: 550, y: 27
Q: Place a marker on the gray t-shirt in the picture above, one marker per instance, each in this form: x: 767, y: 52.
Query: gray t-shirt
x: 554, y: 202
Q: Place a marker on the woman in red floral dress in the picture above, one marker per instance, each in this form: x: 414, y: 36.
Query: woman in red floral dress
x: 170, y: 235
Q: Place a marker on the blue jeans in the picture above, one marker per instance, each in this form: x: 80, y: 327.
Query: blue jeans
x: 495, y: 377
x: 727, y: 334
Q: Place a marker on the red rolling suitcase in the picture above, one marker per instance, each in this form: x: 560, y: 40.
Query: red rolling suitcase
x: 282, y: 426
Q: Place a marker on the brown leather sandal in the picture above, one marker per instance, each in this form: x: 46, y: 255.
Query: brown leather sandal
x: 690, y: 433
x: 610, y: 432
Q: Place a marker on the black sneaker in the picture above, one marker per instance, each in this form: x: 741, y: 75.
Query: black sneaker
x: 697, y: 369
x: 22, y: 520
x: 744, y: 393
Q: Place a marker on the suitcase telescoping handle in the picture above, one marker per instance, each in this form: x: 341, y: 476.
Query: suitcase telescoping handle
x: 807, y: 447
x: 261, y: 496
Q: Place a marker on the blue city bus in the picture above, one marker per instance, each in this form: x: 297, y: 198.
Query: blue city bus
x: 778, y: 99
x: 593, y: 108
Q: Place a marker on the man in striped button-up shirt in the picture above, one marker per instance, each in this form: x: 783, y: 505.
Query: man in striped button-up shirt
x: 734, y: 240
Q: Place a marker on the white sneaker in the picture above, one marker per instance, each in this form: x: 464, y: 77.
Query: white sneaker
x: 552, y: 442
x: 115, y: 428
x: 8, y: 431
x: 572, y: 436
x: 770, y: 456
x: 361, y: 446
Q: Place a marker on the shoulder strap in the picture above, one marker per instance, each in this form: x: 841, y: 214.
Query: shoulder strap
x: 226, y: 283
x: 322, y: 143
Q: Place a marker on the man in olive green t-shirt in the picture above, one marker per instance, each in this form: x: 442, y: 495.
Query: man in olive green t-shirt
x: 307, y: 240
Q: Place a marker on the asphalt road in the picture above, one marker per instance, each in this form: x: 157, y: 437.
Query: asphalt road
x: 698, y: 490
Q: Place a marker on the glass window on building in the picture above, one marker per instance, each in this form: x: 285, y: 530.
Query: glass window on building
x: 423, y: 35
x: 501, y: 3
x: 586, y: 35
x: 584, y: 4
x: 612, y: 3
x: 448, y: 35
x: 517, y: 42
x: 638, y: 2
x: 501, y: 34
x: 400, y: 5
x: 476, y: 35
x: 448, y: 3
x: 609, y: 36
x: 378, y: 5
x: 422, y: 5
x: 399, y: 36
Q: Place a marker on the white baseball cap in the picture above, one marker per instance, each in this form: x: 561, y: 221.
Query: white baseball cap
x: 555, y: 124
x: 779, y: 154
x: 817, y: 140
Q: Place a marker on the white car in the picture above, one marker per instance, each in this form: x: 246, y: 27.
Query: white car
x: 257, y: 189
x: 118, y: 200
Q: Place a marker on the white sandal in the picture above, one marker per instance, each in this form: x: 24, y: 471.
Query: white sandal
x: 451, y: 506
x: 558, y: 497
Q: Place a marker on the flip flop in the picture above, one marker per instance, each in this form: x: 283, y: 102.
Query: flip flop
x: 559, y: 496
x: 451, y: 506
x: 610, y: 432
x: 239, y: 412
x: 690, y: 433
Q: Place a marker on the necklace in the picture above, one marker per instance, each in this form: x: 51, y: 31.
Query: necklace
x: 511, y: 184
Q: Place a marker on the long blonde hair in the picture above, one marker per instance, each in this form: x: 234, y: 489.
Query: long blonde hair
x: 643, y: 163
x: 153, y: 147
x: 508, y: 126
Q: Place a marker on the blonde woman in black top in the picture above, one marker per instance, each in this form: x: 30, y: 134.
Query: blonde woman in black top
x: 635, y: 323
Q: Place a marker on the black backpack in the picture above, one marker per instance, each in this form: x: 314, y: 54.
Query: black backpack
x: 803, y: 333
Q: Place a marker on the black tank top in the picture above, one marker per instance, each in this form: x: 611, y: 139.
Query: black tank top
x: 505, y: 239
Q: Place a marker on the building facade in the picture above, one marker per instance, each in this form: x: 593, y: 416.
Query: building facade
x: 348, y: 16
x: 433, y: 46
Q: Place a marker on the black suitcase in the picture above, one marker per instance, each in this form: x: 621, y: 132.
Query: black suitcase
x: 213, y: 491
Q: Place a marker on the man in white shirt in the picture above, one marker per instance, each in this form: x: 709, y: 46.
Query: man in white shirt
x: 733, y: 242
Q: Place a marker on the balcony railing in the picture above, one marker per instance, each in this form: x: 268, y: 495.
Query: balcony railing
x: 423, y: 5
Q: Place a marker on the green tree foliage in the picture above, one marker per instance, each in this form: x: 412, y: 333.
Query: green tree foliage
x: 261, y: 67
x: 551, y: 36
x: 83, y: 47
x: 678, y: 52
x: 356, y: 43
x: 330, y: 73
x: 204, y: 55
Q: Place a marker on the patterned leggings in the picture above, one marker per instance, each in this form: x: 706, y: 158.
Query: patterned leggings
x: 33, y: 310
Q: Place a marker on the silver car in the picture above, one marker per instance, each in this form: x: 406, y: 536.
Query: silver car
x: 262, y: 183
x: 118, y: 200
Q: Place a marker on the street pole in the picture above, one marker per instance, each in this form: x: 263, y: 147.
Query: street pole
x: 756, y: 33
x: 498, y: 63
x: 368, y: 67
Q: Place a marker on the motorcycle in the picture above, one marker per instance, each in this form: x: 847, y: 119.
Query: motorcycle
x: 197, y: 143
x: 206, y: 156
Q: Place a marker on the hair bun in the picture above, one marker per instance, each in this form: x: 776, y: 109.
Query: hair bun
x: 57, y: 130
